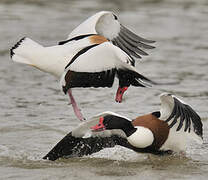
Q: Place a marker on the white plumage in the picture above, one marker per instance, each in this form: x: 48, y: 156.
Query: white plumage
x: 101, y: 58
x: 51, y: 59
x: 141, y: 138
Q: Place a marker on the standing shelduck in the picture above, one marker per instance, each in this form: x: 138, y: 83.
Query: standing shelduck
x: 95, y: 52
x: 160, y: 132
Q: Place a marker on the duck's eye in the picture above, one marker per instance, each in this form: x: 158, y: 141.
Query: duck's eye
x: 115, y: 17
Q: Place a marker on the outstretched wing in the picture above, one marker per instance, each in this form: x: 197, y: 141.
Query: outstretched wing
x: 106, y: 23
x: 71, y: 146
x: 180, y: 115
x: 82, y: 141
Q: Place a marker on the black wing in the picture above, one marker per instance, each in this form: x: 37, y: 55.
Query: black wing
x: 131, y: 43
x: 71, y: 146
x: 88, y: 79
x: 128, y: 77
x: 187, y: 116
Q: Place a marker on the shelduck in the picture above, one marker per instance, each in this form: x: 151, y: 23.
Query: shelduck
x: 159, y: 132
x: 94, y: 53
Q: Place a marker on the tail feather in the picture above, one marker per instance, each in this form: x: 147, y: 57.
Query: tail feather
x: 16, y: 46
x: 24, y: 50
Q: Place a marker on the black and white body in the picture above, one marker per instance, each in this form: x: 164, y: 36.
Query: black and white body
x: 160, y: 132
x: 88, y: 58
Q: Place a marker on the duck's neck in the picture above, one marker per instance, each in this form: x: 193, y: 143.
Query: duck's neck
x: 156, y: 114
x: 128, y: 128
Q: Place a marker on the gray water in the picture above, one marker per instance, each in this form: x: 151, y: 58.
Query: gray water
x: 35, y: 115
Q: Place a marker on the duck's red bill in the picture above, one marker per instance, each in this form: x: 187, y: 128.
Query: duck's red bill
x: 119, y: 93
x: 99, y: 127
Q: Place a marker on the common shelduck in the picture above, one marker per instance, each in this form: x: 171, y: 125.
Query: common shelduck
x: 159, y: 132
x: 88, y: 58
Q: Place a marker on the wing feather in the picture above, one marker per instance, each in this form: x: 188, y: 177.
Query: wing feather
x: 182, y: 118
x: 71, y: 146
x: 130, y: 47
x: 187, y: 121
x: 136, y: 43
x: 133, y: 36
x: 118, y: 43
x: 180, y: 115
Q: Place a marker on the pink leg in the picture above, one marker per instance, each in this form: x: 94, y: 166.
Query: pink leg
x: 75, y: 107
x: 120, y: 93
